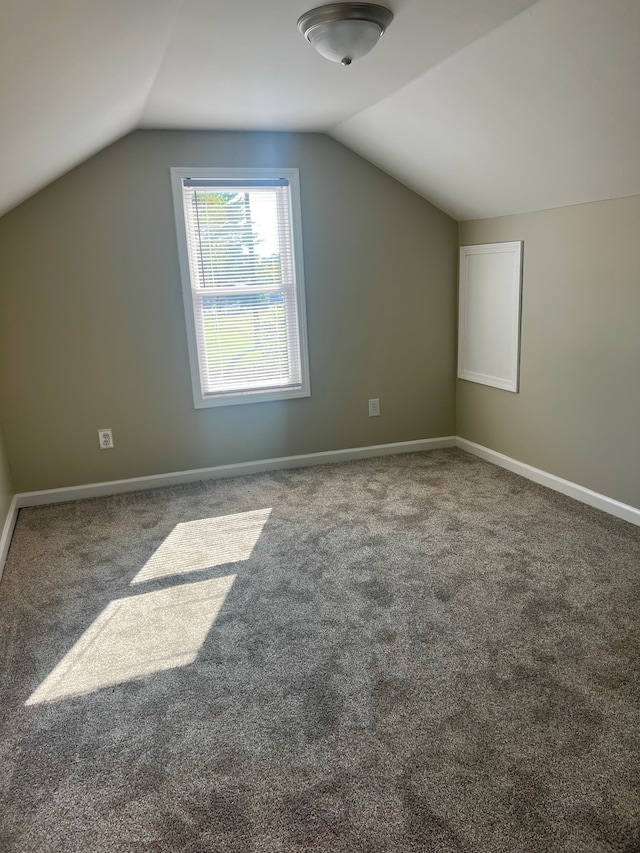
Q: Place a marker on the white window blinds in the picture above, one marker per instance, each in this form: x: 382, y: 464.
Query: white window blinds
x: 244, y: 288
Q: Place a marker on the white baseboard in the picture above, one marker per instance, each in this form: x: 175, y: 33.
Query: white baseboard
x: 136, y: 484
x: 573, y: 490
x: 7, y: 532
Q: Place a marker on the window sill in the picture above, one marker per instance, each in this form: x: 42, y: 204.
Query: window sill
x: 242, y: 398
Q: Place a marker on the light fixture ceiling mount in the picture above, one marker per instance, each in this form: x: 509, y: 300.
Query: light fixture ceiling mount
x: 344, y: 32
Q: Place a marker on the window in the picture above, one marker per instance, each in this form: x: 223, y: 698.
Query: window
x: 240, y: 247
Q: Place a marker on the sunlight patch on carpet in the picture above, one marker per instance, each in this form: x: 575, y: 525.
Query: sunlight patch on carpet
x: 137, y: 636
x: 202, y: 544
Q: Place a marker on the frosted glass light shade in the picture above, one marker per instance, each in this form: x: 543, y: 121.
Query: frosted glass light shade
x: 345, y: 41
x: 344, y: 32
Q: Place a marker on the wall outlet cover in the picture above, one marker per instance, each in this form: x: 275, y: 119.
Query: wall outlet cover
x: 105, y: 438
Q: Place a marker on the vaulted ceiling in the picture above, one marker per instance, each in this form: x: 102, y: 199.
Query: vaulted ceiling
x: 484, y: 107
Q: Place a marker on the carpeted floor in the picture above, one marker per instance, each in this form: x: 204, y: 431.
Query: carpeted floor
x: 410, y: 653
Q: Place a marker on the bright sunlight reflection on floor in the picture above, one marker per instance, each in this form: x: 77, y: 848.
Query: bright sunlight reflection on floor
x: 207, y: 542
x: 137, y: 636
x: 154, y: 631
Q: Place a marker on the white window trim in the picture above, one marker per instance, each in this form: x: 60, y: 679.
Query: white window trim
x: 200, y: 400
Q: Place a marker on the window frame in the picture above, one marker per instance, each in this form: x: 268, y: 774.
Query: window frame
x: 232, y: 398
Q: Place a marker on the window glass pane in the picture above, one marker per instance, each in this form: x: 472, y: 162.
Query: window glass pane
x: 245, y: 341
x: 235, y: 236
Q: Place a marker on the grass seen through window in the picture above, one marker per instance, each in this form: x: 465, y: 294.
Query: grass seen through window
x: 246, y: 339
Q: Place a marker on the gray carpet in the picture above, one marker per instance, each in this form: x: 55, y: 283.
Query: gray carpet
x: 411, y: 653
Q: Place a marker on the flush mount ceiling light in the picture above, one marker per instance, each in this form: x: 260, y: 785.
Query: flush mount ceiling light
x: 344, y: 32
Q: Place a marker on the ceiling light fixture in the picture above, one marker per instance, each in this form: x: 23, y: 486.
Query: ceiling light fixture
x: 344, y: 32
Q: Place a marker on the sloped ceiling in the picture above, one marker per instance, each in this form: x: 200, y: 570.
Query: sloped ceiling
x: 483, y: 106
x: 74, y: 77
x: 542, y: 112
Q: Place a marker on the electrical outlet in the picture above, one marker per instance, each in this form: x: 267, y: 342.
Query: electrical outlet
x: 374, y: 408
x: 105, y: 438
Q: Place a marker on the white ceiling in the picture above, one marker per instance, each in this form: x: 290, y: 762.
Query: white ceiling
x: 542, y: 112
x: 74, y: 76
x: 243, y: 64
x: 483, y: 106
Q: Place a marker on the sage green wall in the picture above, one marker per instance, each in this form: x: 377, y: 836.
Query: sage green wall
x: 6, y: 487
x: 578, y: 411
x: 92, y: 331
